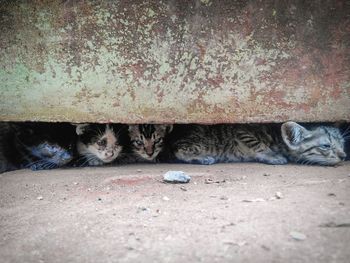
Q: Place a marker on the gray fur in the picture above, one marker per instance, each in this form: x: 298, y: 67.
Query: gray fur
x: 321, y: 145
x: 271, y: 144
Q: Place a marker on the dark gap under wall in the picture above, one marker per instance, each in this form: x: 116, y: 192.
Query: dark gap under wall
x: 44, y: 145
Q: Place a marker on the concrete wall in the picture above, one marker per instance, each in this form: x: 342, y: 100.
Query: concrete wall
x: 180, y: 61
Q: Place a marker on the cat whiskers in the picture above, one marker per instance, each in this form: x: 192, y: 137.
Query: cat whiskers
x: 346, y: 132
x: 33, y: 163
x: 88, y: 158
x: 49, y: 165
x: 43, y: 164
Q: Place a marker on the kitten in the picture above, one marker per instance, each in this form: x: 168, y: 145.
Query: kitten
x: 147, y: 141
x: 323, y: 145
x: 98, y: 144
x: 271, y: 144
x: 36, y: 146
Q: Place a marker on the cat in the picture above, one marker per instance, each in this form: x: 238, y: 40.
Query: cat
x: 319, y: 144
x: 147, y: 142
x: 36, y: 146
x: 98, y: 144
x: 270, y: 144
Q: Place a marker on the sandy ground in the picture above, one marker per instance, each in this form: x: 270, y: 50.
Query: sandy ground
x: 227, y: 213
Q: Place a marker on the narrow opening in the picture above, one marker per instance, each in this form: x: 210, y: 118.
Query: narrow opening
x: 43, y: 145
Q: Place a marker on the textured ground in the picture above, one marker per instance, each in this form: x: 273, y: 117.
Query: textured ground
x: 226, y: 213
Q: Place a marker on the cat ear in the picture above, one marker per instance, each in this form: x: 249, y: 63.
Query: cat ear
x: 132, y: 127
x: 293, y: 134
x: 169, y: 128
x: 80, y: 127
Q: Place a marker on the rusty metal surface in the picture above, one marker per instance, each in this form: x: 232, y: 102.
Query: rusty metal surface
x: 182, y: 61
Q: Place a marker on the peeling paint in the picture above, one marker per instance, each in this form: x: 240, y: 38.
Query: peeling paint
x: 177, y: 61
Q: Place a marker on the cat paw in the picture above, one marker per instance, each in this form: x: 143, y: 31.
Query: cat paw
x: 35, y: 167
x: 208, y: 160
x: 278, y: 160
x: 271, y: 158
x: 95, y: 162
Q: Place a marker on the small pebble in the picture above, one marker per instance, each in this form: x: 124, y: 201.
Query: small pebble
x: 142, y: 208
x: 211, y: 181
x: 278, y: 195
x: 165, y: 198
x: 75, y: 183
x: 265, y: 247
x: 176, y: 177
x: 254, y: 200
x: 40, y: 197
x: 297, y: 235
x: 183, y: 188
x: 139, y: 170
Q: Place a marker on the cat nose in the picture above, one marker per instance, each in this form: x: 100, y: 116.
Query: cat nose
x: 109, y: 154
x: 149, y: 152
x: 342, y: 155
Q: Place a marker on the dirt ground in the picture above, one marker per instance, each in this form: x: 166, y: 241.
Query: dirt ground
x: 226, y: 213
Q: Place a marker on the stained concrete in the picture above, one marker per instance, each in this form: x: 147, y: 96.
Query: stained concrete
x: 227, y: 213
x: 174, y: 61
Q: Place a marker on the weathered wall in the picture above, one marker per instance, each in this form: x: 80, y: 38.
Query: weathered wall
x: 175, y: 61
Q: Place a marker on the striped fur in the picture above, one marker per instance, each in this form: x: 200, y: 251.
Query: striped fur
x: 271, y: 144
x: 147, y: 141
x: 323, y: 145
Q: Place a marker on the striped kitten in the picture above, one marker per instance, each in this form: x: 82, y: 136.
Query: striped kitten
x: 271, y: 144
x: 147, y: 141
x: 36, y: 146
x: 98, y: 144
x: 322, y: 145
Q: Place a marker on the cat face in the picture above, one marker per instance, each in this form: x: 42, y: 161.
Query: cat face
x: 45, y: 146
x: 148, y: 139
x: 98, y: 143
x: 322, y: 145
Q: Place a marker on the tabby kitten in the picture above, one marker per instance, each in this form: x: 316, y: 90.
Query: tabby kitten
x: 98, y: 144
x: 148, y: 141
x: 323, y: 145
x: 271, y: 144
x: 36, y: 145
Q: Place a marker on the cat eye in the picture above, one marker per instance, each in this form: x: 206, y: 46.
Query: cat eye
x: 159, y: 140
x: 138, y: 142
x: 325, y: 146
x: 102, y: 142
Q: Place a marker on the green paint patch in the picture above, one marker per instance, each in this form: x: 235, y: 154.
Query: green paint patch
x: 150, y: 12
x: 206, y: 2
